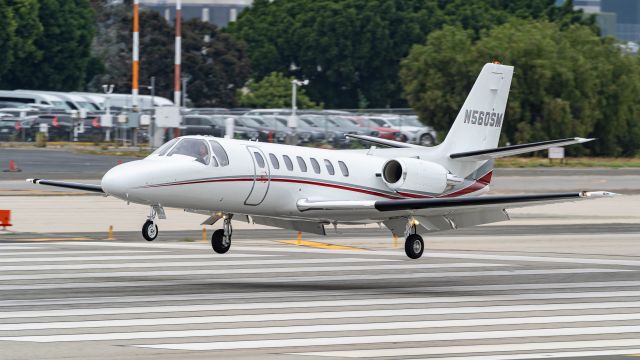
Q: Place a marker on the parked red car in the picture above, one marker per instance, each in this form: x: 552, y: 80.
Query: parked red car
x: 371, y: 123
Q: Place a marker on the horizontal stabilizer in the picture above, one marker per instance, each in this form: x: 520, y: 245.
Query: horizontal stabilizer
x: 68, y: 185
x: 379, y: 141
x: 489, y: 154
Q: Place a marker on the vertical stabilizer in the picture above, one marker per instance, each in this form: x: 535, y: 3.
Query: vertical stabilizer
x: 478, y: 124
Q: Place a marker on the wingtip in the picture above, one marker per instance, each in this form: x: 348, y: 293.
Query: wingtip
x: 584, y: 140
x: 598, y: 194
x: 33, y: 181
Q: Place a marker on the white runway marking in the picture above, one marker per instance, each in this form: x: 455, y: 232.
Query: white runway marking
x: 285, y: 279
x: 134, y: 257
x: 18, y: 247
x: 403, y: 338
x: 319, y: 303
x: 212, y: 262
x: 81, y: 252
x: 299, y: 269
x: 290, y: 329
x: 472, y: 349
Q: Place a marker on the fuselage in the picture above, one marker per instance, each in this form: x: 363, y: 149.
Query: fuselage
x: 261, y: 179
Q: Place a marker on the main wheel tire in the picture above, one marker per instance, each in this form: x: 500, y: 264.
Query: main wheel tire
x: 219, y: 243
x: 414, y: 246
x: 427, y: 140
x: 149, y: 230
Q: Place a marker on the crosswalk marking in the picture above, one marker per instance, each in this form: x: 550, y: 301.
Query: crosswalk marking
x: 311, y: 278
x: 291, y: 329
x: 468, y: 349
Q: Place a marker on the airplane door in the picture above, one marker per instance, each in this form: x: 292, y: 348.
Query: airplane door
x: 261, y: 177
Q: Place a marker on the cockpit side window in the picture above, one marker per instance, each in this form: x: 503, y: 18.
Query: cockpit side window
x: 219, y: 152
x: 194, y: 148
x: 162, y: 150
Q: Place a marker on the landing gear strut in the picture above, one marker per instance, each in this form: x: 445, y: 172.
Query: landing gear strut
x: 221, y: 239
x: 413, y: 245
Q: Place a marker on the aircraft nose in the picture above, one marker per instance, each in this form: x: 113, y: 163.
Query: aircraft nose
x: 117, y: 181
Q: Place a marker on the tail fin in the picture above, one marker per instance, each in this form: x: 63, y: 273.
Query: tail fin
x: 478, y: 124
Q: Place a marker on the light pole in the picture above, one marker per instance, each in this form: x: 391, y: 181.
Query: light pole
x: 185, y: 79
x: 108, y: 90
x: 152, y: 129
x: 293, y: 119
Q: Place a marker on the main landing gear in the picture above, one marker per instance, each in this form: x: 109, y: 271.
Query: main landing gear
x: 413, y: 245
x: 221, y: 239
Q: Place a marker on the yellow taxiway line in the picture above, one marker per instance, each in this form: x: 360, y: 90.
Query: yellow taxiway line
x: 319, y: 245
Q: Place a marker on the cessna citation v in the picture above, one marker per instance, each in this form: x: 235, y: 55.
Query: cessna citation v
x: 410, y: 189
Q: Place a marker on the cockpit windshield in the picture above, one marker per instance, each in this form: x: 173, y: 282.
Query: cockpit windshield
x: 164, y: 148
x: 194, y: 148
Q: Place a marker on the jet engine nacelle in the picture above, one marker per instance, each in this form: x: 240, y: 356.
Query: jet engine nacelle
x: 410, y: 174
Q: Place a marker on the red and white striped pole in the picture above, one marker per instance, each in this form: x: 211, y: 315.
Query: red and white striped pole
x: 136, y: 55
x: 177, y: 93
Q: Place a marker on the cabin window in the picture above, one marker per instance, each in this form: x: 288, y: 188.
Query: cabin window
x: 288, y: 162
x: 315, y: 165
x: 329, y: 166
x: 219, y: 152
x: 162, y: 150
x: 194, y: 148
x: 302, y: 164
x: 259, y: 159
x: 343, y: 168
x: 274, y: 161
x: 214, y: 161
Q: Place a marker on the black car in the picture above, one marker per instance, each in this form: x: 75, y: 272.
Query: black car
x: 239, y: 131
x: 267, y: 132
x: 200, y: 125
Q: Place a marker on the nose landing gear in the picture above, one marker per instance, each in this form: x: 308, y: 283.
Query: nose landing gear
x: 150, y: 229
x: 221, y: 239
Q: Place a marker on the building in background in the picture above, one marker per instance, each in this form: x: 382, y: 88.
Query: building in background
x: 219, y: 12
x: 628, y: 18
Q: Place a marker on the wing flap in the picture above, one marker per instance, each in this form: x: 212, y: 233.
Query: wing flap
x: 512, y: 150
x: 68, y: 185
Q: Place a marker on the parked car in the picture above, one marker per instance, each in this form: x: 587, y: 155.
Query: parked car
x: 375, y: 124
x: 239, y: 131
x: 200, y: 125
x: 267, y: 132
x: 412, y: 130
x: 9, y: 128
x: 306, y: 133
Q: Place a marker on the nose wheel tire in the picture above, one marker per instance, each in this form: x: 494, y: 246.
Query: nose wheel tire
x: 220, y: 243
x: 414, y: 246
x: 149, y: 230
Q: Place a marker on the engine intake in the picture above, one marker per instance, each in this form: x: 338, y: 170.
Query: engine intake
x: 415, y: 175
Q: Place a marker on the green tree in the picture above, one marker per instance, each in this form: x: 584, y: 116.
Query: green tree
x: 567, y: 82
x: 215, y: 63
x: 7, y: 37
x: 351, y: 49
x: 274, y: 91
x: 59, y: 54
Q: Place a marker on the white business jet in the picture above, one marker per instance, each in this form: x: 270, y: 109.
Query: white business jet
x: 410, y: 189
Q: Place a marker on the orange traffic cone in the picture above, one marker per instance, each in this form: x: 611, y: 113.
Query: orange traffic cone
x: 12, y: 167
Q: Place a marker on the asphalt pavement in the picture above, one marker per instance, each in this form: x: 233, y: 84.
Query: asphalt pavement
x: 266, y: 299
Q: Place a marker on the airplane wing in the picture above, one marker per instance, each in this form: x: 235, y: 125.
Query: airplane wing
x: 68, y: 185
x: 444, y: 206
x: 516, y: 149
x: 384, y: 142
